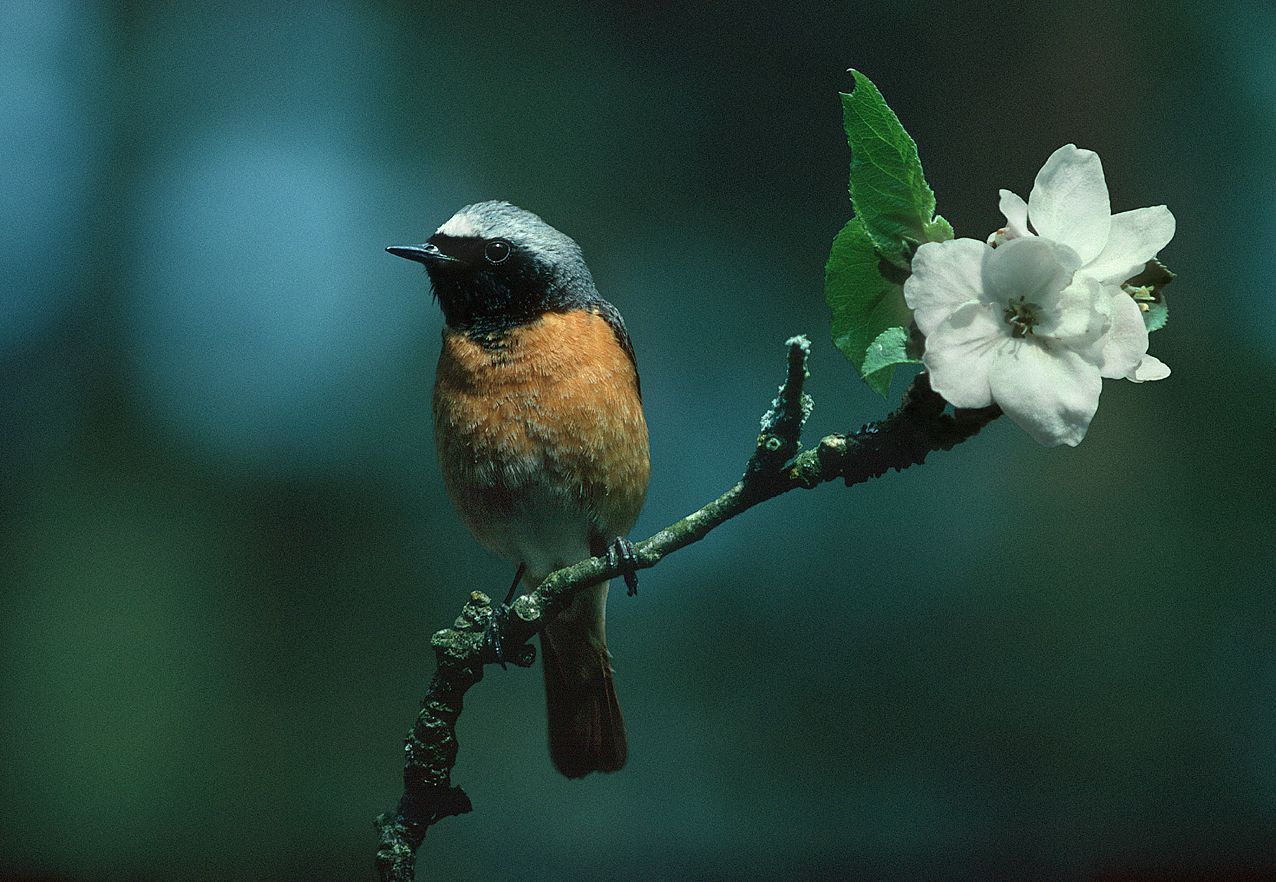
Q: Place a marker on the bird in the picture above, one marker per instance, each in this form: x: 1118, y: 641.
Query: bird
x: 542, y: 442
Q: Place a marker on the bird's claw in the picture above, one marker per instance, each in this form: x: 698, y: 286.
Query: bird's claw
x: 494, y: 640
x: 620, y: 553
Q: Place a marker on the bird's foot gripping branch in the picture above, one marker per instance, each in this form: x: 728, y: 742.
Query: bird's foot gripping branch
x: 778, y: 465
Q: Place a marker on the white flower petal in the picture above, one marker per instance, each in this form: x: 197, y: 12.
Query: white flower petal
x: 1126, y: 342
x: 1052, y: 395
x: 961, y: 351
x: 1136, y: 237
x: 1016, y: 212
x: 1024, y: 268
x: 1069, y: 201
x: 1150, y: 368
x: 945, y: 275
x: 1078, y: 317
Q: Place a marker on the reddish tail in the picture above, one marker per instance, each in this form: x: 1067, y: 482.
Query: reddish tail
x: 586, y: 730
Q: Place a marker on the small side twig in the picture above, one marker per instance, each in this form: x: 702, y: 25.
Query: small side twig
x: 919, y: 426
x: 781, y: 432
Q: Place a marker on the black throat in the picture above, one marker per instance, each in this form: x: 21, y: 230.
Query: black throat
x: 485, y: 300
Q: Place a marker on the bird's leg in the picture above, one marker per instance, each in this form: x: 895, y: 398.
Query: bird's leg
x: 620, y: 553
x: 518, y: 577
x: 492, y: 638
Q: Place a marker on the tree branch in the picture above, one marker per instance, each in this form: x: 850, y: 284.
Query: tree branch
x: 904, y: 438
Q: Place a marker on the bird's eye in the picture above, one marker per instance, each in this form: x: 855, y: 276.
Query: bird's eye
x: 497, y: 251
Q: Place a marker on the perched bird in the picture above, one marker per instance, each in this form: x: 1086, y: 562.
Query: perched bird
x: 541, y: 438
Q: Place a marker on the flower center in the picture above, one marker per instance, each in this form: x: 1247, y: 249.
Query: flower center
x: 1022, y: 316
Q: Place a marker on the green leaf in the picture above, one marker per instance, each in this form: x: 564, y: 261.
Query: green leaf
x: 938, y: 230
x: 892, y: 347
x: 1156, y: 314
x: 1153, y: 275
x: 869, y: 261
x: 864, y: 301
x: 888, y: 190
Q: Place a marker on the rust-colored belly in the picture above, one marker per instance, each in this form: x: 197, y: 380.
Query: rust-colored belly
x: 541, y: 437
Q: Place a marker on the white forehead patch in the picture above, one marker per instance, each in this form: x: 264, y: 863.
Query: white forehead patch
x: 460, y: 224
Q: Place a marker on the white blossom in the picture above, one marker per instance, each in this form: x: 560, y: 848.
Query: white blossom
x: 1035, y: 323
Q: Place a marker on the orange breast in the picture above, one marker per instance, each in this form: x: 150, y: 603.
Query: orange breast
x: 543, y: 425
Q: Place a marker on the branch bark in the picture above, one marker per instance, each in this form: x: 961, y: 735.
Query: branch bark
x: 919, y: 426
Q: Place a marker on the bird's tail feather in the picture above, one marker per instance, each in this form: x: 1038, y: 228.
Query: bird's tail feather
x: 586, y: 729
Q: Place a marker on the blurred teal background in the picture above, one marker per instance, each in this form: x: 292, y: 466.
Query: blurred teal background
x: 224, y: 543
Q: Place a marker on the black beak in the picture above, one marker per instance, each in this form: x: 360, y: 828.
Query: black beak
x: 427, y: 253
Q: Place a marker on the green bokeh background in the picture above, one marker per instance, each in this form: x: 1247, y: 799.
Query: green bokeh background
x: 224, y: 542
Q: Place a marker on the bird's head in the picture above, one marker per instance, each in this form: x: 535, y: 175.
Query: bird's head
x: 494, y: 264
